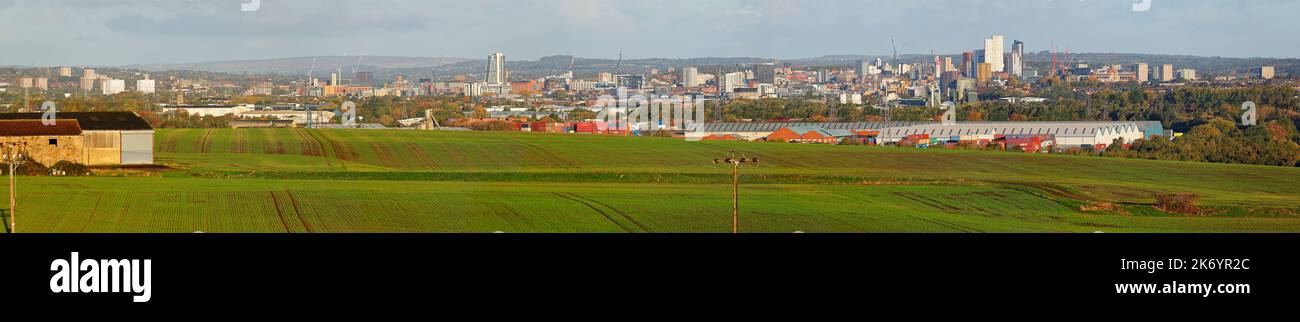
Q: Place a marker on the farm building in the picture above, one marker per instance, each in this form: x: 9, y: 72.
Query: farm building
x: 107, y: 138
x: 45, y: 144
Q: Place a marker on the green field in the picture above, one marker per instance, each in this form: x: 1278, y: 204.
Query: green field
x: 295, y: 180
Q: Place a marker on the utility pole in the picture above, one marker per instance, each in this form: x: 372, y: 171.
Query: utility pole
x: 735, y: 186
x: 14, y: 156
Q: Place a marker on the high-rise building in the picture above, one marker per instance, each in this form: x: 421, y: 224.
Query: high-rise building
x: 87, y: 83
x: 947, y: 65
x: 65, y: 71
x: 146, y: 86
x: 114, y: 86
x: 994, y: 53
x: 690, y: 77
x: 1187, y: 74
x: 1017, y: 59
x: 1266, y: 72
x: 1167, y: 73
x: 968, y: 64
x: 496, y: 69
x: 42, y: 83
x: 765, y: 73
x: 984, y: 73
x: 25, y: 82
x: 1143, y: 72
x: 729, y: 82
x: 605, y: 77
x: 864, y: 67
x: 89, y: 73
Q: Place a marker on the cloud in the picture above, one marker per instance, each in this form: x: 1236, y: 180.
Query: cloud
x: 158, y: 31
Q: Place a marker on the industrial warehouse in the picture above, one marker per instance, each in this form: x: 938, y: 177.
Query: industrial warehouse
x: 1059, y: 134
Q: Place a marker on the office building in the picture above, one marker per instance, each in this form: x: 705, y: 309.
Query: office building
x: 765, y: 73
x: 146, y: 86
x: 994, y: 53
x: 496, y: 69
x: 984, y: 74
x: 1266, y: 72
x: 113, y: 86
x: 1017, y: 59
x: 690, y: 77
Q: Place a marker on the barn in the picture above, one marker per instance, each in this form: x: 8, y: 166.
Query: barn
x: 108, y: 138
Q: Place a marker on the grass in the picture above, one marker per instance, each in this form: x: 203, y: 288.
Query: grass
x: 296, y: 180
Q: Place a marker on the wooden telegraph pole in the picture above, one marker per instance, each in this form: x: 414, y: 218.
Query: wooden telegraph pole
x: 13, y: 156
x: 735, y: 186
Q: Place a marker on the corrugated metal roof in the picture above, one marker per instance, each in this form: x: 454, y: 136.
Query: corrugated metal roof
x: 903, y: 129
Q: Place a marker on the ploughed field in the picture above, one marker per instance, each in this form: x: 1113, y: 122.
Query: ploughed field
x: 298, y: 180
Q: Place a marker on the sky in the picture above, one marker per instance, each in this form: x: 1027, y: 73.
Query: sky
x: 122, y: 32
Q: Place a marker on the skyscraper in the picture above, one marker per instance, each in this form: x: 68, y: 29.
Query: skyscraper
x: 496, y: 73
x: 765, y: 73
x: 1017, y: 59
x: 968, y: 64
x: 146, y: 86
x: 994, y: 53
x: 1143, y: 72
x: 690, y: 77
x: 984, y: 73
x: 1167, y: 73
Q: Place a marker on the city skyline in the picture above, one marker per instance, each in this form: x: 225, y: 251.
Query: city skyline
x: 109, y: 33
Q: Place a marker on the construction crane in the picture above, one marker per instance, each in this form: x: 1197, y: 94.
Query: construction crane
x: 891, y: 44
x: 619, y: 67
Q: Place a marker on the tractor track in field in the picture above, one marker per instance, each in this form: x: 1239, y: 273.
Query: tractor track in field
x: 310, y: 146
x: 386, y: 156
x: 593, y: 207
x: 419, y: 154
x: 926, y: 201
x: 93, y: 211
x: 929, y: 220
x: 168, y: 144
x: 620, y: 212
x: 457, y: 155
x: 294, y: 200
x: 276, y: 147
x: 205, y: 141
x: 280, y: 213
x: 239, y: 141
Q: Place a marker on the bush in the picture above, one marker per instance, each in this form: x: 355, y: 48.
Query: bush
x: 29, y: 168
x: 1179, y: 203
x: 66, y: 168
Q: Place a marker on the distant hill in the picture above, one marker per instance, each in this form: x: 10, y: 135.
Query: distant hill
x: 296, y: 65
x: 385, y: 67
